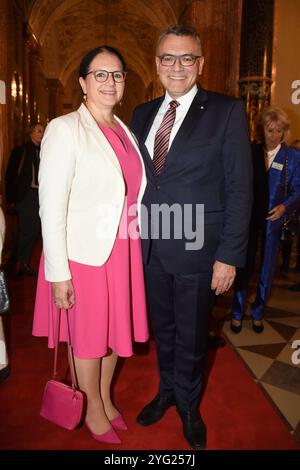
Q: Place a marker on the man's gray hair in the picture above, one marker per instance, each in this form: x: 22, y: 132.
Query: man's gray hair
x: 180, y: 30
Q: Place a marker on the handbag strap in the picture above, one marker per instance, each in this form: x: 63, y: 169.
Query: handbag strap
x: 70, y: 351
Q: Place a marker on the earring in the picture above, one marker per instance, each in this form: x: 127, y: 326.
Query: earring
x: 85, y: 98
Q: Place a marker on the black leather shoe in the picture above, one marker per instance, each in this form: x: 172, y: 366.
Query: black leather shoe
x: 236, y: 328
x: 155, y: 410
x: 215, y: 341
x: 258, y: 327
x: 194, y: 429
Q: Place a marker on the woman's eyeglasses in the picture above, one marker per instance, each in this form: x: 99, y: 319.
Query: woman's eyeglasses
x: 102, y: 75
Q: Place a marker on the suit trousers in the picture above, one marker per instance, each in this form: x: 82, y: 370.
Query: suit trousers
x: 244, y: 275
x: 266, y: 276
x: 179, y: 305
x: 29, y: 224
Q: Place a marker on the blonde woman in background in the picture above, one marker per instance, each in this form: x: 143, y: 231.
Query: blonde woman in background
x: 276, y: 170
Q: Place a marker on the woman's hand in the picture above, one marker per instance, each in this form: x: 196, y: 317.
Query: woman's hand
x: 63, y: 294
x: 276, y: 213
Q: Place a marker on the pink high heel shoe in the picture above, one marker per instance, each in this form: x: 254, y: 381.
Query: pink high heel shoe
x: 109, y: 437
x: 119, y: 424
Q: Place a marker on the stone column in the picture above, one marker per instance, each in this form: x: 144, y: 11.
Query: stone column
x: 256, y: 57
x: 32, y: 85
x: 27, y: 47
x: 218, y: 23
x: 54, y: 91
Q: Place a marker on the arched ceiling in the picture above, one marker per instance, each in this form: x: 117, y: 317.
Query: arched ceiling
x: 67, y: 29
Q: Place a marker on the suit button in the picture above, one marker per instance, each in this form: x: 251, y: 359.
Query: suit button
x: 157, y: 187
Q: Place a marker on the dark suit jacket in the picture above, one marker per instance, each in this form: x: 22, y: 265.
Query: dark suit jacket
x: 17, y: 186
x: 208, y: 163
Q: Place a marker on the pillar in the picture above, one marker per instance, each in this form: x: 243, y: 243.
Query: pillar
x: 54, y: 102
x: 218, y: 23
x: 256, y: 57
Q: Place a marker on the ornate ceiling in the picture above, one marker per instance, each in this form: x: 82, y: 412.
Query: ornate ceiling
x: 67, y: 29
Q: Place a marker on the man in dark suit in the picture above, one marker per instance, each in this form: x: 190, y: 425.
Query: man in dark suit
x: 22, y: 191
x: 206, y: 166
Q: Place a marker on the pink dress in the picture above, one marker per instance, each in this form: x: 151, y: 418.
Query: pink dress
x: 110, y: 306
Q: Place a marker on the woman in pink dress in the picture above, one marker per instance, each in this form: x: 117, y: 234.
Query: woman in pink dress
x: 91, y: 182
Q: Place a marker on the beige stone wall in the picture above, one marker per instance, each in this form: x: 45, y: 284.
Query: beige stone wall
x: 286, y: 61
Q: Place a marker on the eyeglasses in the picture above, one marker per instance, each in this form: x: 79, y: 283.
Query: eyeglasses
x: 186, y: 60
x: 102, y: 75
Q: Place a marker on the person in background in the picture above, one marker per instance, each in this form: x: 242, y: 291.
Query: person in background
x: 276, y: 169
x: 92, y: 267
x: 196, y: 151
x: 22, y: 191
x: 296, y: 287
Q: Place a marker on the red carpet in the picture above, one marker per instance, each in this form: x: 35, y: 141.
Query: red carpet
x: 237, y: 414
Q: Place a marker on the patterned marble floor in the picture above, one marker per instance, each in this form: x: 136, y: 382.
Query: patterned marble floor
x: 272, y: 357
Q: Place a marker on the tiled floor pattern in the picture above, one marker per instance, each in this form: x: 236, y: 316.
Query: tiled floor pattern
x: 272, y: 357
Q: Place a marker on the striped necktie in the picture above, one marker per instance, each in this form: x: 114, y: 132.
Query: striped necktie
x: 162, y: 137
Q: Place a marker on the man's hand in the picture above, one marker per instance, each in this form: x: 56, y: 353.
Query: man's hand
x: 223, y: 277
x: 63, y: 294
x: 276, y: 213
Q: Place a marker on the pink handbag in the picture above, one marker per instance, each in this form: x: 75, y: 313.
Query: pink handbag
x: 62, y: 404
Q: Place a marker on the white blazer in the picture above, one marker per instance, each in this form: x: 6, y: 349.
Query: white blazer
x: 81, y: 193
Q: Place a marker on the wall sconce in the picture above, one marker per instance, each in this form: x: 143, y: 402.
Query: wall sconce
x: 14, y: 90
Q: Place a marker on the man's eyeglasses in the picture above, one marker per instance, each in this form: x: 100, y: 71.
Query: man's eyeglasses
x: 102, y: 75
x: 186, y: 60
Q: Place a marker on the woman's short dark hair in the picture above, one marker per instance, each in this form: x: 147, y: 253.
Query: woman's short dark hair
x: 89, y: 57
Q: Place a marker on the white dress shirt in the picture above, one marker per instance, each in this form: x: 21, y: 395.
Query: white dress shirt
x: 185, y: 102
x: 270, y: 156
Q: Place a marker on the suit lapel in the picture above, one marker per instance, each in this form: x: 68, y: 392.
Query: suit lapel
x: 148, y: 121
x: 135, y: 143
x: 99, y: 138
x: 275, y: 174
x: 193, y: 116
x: 150, y: 118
